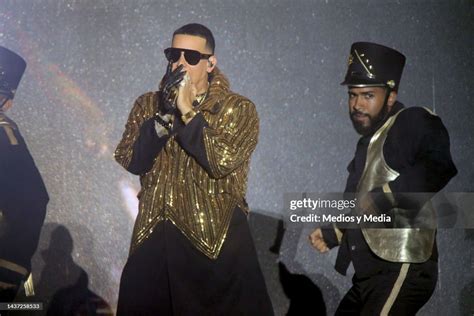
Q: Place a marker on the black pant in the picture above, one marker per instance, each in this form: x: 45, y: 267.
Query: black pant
x: 391, y: 292
x: 167, y: 275
x: 13, y: 280
x: 7, y: 295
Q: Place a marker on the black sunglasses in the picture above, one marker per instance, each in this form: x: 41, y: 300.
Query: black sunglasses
x: 192, y: 57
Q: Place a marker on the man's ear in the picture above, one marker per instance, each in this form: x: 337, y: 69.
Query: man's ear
x: 7, y: 105
x: 392, y: 97
x: 211, y: 63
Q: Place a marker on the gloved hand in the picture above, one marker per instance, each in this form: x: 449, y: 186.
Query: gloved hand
x: 165, y: 99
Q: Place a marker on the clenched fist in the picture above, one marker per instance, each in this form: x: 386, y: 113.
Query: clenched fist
x: 317, y: 241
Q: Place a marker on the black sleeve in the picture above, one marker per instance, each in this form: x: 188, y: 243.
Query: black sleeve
x: 428, y: 165
x: 146, y: 148
x: 191, y: 139
x: 140, y: 143
x: 330, y: 237
x: 222, y: 148
x: 23, y: 201
x: 433, y: 166
x: 4, y: 158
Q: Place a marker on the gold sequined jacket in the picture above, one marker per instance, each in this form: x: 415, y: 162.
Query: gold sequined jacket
x: 197, y: 193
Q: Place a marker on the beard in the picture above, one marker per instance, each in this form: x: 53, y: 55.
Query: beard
x: 373, y: 123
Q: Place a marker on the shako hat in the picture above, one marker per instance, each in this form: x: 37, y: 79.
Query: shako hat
x: 12, y: 67
x: 374, y: 65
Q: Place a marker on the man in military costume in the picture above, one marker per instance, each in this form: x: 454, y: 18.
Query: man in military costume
x: 190, y: 142
x: 23, y: 196
x: 402, y: 151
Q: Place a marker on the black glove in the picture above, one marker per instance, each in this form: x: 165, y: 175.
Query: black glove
x: 170, y: 80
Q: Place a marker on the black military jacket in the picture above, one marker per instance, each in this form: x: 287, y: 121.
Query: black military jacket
x: 23, y: 201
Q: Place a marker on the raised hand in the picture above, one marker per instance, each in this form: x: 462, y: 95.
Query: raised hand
x: 169, y: 88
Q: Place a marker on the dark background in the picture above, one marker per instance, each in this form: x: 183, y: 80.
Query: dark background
x: 89, y: 60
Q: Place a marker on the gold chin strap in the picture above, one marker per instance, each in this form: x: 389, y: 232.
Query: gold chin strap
x: 11, y: 136
x: 8, y: 129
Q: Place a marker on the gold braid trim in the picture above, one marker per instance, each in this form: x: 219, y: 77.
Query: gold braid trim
x: 13, y: 267
x: 4, y: 285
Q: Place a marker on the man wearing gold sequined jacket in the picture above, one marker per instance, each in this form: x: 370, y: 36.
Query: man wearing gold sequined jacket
x: 190, y: 142
x: 401, y: 161
x: 23, y: 196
